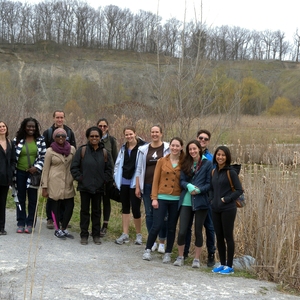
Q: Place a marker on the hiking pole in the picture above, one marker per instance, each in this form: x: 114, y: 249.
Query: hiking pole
x: 16, y: 199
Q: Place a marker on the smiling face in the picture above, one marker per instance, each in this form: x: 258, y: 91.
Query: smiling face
x: 30, y: 128
x: 103, y: 126
x: 203, y: 139
x: 130, y: 136
x: 175, y: 147
x: 94, y: 137
x: 221, y: 158
x: 59, y: 119
x: 156, y: 134
x: 3, y: 129
x: 60, y: 138
x: 194, y: 152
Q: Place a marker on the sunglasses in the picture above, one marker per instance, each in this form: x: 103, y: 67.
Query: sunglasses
x: 94, y: 136
x: 203, y: 138
x: 60, y: 136
x: 102, y: 126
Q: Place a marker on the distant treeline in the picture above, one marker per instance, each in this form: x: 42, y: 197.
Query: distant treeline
x: 75, y: 23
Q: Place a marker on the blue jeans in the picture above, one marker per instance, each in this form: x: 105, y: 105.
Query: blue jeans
x: 149, y: 212
x: 169, y: 207
x: 23, y: 218
x: 210, y: 234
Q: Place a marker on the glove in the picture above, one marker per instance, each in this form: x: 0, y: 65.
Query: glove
x: 191, y: 188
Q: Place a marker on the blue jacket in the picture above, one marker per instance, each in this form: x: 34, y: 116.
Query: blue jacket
x: 201, y: 180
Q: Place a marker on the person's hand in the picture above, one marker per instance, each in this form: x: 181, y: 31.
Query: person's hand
x: 32, y: 170
x: 45, y: 193
x: 155, y: 204
x: 138, y: 192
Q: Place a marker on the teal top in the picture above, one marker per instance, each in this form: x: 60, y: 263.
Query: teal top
x: 23, y: 160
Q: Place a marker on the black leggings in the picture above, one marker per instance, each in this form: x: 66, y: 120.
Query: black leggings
x: 129, y: 199
x: 106, y: 207
x: 224, y: 225
x: 186, y: 215
x: 68, y: 211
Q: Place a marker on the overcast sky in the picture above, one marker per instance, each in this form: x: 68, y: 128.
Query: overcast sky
x: 252, y: 14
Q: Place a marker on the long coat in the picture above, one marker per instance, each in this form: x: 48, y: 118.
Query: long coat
x: 56, y: 176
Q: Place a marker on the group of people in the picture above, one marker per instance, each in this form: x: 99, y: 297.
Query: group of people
x: 172, y: 183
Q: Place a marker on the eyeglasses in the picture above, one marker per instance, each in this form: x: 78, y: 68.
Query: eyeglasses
x: 94, y: 136
x: 102, y: 126
x: 60, y: 136
x: 203, y: 138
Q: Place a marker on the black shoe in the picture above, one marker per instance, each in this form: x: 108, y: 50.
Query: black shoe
x: 84, y: 241
x: 97, y: 240
x: 211, y: 260
x: 3, y: 232
x: 59, y: 234
x: 103, y: 232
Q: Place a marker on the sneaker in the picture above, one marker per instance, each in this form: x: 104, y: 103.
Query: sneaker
x: 196, y: 263
x: 97, y: 240
x: 59, y: 234
x: 50, y: 224
x: 68, y: 234
x: 227, y: 270
x: 20, y: 229
x: 161, y: 248
x: 167, y: 258
x: 218, y: 269
x: 103, y: 232
x: 84, y: 241
x: 3, y: 232
x: 28, y: 229
x: 179, y: 261
x: 211, y: 260
x: 147, y: 255
x: 139, y: 239
x: 124, y: 238
x: 154, y: 247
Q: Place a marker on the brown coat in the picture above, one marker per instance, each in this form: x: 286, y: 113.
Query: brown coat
x: 56, y: 176
x: 166, y: 179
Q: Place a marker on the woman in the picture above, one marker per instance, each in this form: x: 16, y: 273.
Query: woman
x: 110, y: 145
x: 125, y: 168
x: 91, y: 167
x: 148, y: 155
x: 7, y: 168
x: 224, y: 207
x: 30, y: 154
x: 57, y: 181
x: 195, y: 179
x: 165, y: 196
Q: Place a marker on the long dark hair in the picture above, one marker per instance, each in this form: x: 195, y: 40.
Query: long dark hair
x: 227, y: 154
x: 188, y: 161
x: 21, y: 133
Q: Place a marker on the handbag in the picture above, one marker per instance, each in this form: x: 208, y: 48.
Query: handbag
x: 35, y: 178
x: 112, y: 191
x: 240, y: 201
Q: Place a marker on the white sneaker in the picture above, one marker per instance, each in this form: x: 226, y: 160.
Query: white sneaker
x: 161, y: 248
x: 179, y: 261
x: 124, y: 238
x: 154, y: 247
x: 196, y: 263
x: 147, y: 255
x: 139, y: 239
x: 167, y: 258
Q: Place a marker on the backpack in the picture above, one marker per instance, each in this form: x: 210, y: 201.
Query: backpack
x: 240, y: 201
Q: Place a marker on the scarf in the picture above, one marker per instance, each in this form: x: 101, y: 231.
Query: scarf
x: 64, y: 149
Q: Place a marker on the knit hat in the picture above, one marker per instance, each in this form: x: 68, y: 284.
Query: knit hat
x: 59, y: 131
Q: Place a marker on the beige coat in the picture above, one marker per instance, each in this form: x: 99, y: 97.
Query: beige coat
x: 56, y: 176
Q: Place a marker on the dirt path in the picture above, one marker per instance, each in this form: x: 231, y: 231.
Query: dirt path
x: 40, y: 266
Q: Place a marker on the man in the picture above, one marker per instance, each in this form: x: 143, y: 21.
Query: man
x: 203, y: 136
x: 59, y: 119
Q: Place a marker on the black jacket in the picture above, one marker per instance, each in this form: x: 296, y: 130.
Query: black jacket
x: 49, y: 132
x: 221, y: 188
x: 91, y: 171
x: 7, y: 164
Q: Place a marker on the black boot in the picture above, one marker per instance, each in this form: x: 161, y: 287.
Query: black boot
x: 211, y: 260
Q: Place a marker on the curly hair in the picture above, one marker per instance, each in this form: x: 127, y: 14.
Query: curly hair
x: 21, y: 133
